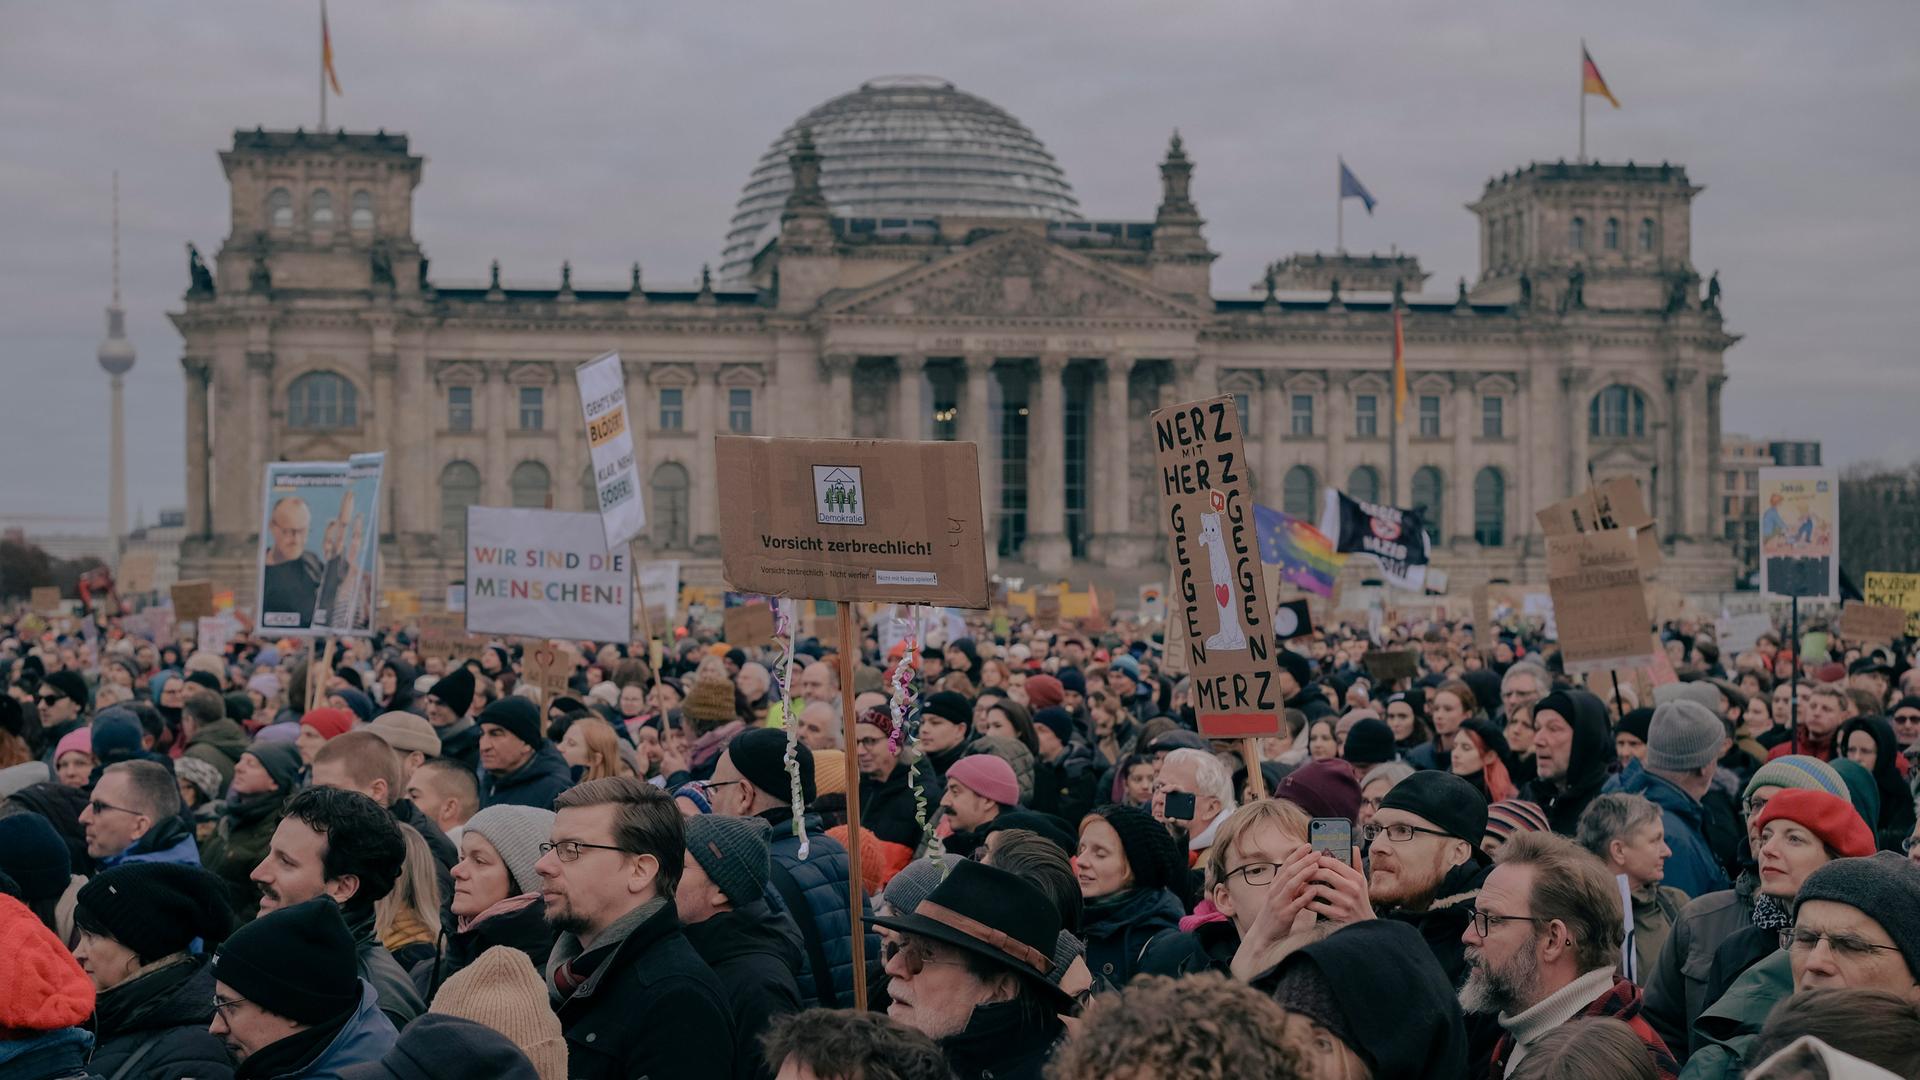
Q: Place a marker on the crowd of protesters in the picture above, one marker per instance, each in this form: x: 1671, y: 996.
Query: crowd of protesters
x: 248, y: 863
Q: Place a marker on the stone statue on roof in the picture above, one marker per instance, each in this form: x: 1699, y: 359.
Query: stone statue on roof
x: 199, y: 280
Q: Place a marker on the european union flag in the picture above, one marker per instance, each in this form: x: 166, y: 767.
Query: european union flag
x: 1352, y: 188
x: 1305, y: 557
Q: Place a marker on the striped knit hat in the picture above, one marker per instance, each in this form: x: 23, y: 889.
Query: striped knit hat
x: 1797, y: 771
x: 1509, y: 816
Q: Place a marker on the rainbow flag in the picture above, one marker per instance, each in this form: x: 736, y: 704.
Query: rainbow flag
x: 1590, y: 80
x: 1303, y: 553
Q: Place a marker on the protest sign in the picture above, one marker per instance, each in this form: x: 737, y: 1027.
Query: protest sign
x: 546, y: 574
x: 1872, y: 622
x: 1741, y: 633
x: 351, y: 552
x: 749, y: 625
x: 192, y: 600
x: 1384, y: 666
x: 214, y: 632
x: 1599, y: 603
x: 1899, y: 590
x: 892, y: 521
x: 305, y: 522
x: 400, y: 603
x: 1292, y: 620
x: 1485, y: 634
x: 1174, y: 655
x: 659, y: 590
x: 1219, y: 591
x: 1396, y: 538
x: 547, y: 667
x: 136, y: 573
x: 1153, y: 603
x: 444, y: 633
x: 1046, y: 607
x: 616, y: 478
x: 46, y: 599
x: 1800, y: 533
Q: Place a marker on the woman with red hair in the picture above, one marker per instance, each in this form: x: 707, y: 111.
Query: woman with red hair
x: 1480, y: 757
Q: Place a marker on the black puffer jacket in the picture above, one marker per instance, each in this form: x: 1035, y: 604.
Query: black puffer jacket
x: 525, y: 929
x: 1207, y: 947
x: 1592, y: 752
x: 756, y: 955
x: 1446, y: 918
x: 161, y: 1016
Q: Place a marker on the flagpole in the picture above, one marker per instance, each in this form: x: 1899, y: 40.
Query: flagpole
x: 1339, y: 211
x: 323, y: 66
x: 1582, y: 159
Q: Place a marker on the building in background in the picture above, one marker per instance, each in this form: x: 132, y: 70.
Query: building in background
x: 941, y: 283
x: 116, y: 359
x: 157, y: 545
x: 1794, y: 452
x: 1741, y: 460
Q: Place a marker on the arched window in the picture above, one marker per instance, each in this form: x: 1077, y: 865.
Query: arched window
x: 1577, y: 234
x: 321, y: 401
x: 1363, y: 483
x: 1612, y: 235
x: 280, y: 208
x: 1300, y: 494
x: 1646, y: 234
x: 1429, y: 491
x: 589, y: 492
x: 320, y: 210
x: 1618, y: 412
x: 531, y: 483
x: 1490, y: 508
x: 362, y: 216
x: 459, y: 489
x: 672, y: 509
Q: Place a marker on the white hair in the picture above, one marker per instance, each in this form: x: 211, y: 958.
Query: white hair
x: 1541, y: 680
x: 1209, y: 776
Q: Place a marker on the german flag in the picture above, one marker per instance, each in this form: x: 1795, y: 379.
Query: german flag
x: 333, y: 80
x: 1591, y: 81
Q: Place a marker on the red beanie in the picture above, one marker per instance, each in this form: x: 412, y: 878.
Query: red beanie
x: 1044, y: 692
x: 328, y: 722
x: 1829, y: 817
x: 46, y: 990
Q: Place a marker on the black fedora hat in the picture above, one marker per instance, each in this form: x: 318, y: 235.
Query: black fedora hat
x: 992, y: 914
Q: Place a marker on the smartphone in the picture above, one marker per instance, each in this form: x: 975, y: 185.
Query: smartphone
x: 1179, y: 806
x: 1333, y: 836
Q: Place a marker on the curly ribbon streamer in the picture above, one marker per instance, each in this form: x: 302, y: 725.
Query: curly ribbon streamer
x: 906, y: 729
x: 783, y: 630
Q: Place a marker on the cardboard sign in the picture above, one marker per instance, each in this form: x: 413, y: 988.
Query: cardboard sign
x: 616, y: 479
x: 1619, y: 504
x: 1485, y: 634
x: 548, y: 666
x: 1737, y: 634
x: 1046, y: 608
x: 1872, y: 622
x: 1174, y: 659
x: 659, y: 588
x: 444, y: 633
x: 46, y: 598
x: 1219, y: 591
x: 546, y: 574
x: 749, y: 625
x: 891, y: 521
x: 136, y: 573
x: 192, y: 600
x: 1153, y: 603
x: 214, y: 633
x: 1599, y: 602
x: 1899, y: 590
x: 1385, y: 666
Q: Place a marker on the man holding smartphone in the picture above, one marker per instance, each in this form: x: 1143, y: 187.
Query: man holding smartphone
x: 1193, y: 795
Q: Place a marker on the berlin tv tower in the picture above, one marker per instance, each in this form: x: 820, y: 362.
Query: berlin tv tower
x: 116, y: 358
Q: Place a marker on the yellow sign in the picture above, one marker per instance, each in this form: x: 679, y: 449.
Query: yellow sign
x: 1896, y: 590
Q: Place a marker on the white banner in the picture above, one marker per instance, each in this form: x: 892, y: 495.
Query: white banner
x: 660, y: 587
x: 616, y: 478
x: 546, y: 574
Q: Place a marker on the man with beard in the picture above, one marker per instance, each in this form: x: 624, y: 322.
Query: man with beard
x: 1543, y: 945
x: 1572, y: 747
x: 1425, y: 867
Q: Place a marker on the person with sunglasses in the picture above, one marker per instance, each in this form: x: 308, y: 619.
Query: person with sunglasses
x: 63, y: 702
x: 134, y: 817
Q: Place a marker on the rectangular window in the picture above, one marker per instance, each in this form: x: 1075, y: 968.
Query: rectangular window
x: 1243, y: 404
x: 672, y: 408
x: 1733, y: 481
x: 1303, y: 414
x: 459, y: 408
x: 740, y: 411
x: 1493, y: 417
x: 533, y: 408
x: 1366, y: 415
x: 1429, y: 416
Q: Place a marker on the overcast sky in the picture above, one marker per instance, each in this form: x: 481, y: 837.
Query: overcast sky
x: 614, y: 131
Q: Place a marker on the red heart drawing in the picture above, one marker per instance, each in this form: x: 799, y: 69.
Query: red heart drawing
x: 1220, y: 595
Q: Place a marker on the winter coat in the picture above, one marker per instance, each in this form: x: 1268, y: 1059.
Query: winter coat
x: 1119, y: 928
x: 886, y: 808
x: 161, y: 1015
x: 60, y: 1054
x: 1207, y: 947
x: 536, y: 783
x: 1728, y: 1028
x: 649, y: 1008
x: 398, y: 999
x: 998, y: 1043
x: 814, y: 892
x: 220, y: 745
x: 1446, y: 918
x: 1655, y: 911
x: 1066, y: 787
x: 238, y: 844
x: 524, y: 928
x: 1676, y: 992
x: 365, y: 1038
x: 1592, y: 752
x: 756, y: 956
x: 1015, y: 753
x: 169, y: 841
x: 1692, y: 868
x: 460, y: 741
x: 1621, y: 1001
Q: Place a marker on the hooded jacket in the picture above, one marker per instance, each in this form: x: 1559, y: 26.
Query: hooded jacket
x: 886, y: 808
x: 1692, y: 868
x: 238, y: 844
x: 1591, y: 753
x: 165, y: 1010
x: 460, y: 741
x: 1896, y: 798
x: 1728, y: 1028
x: 1209, y: 946
x: 536, y: 783
x: 756, y: 955
x: 1066, y: 786
x: 1676, y: 990
x: 220, y: 745
x: 1445, y: 919
x: 1417, y: 1032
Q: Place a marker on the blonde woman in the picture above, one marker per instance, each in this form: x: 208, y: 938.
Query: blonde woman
x: 407, y: 920
x: 591, y: 744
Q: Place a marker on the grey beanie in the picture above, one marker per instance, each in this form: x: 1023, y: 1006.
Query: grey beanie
x: 733, y: 851
x: 1885, y: 887
x: 1684, y: 736
x: 516, y: 832
x: 914, y: 883
x: 1700, y: 693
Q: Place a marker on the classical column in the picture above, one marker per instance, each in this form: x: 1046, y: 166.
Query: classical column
x: 706, y: 488
x: 413, y: 468
x: 1716, y: 496
x: 260, y: 402
x: 565, y: 410
x: 1573, y: 382
x: 1688, y: 481
x: 1047, y: 546
x: 1116, y: 498
x: 976, y: 427
x: 199, y: 509
x: 494, y: 486
x: 383, y: 366
x: 1272, y: 488
x: 839, y: 410
x: 1458, y: 495
x: 909, y: 406
x: 1338, y: 421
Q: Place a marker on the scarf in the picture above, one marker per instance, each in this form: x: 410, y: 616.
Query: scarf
x: 404, y: 929
x: 505, y: 907
x: 573, y: 967
x: 713, y: 743
x: 1770, y: 912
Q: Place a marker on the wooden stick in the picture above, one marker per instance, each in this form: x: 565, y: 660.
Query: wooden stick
x: 855, y: 891
x: 1256, y: 780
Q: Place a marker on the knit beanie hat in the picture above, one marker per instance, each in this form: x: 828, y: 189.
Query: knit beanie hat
x: 1796, y: 771
x: 501, y: 990
x: 45, y: 988
x: 516, y: 832
x: 1044, y: 691
x: 80, y: 739
x: 1448, y: 801
x: 1829, y: 817
x: 949, y: 706
x: 1302, y: 988
x: 406, y: 733
x: 1324, y: 789
x: 71, y: 685
x: 455, y: 691
x: 1636, y: 723
x: 760, y: 755
x: 280, y: 759
x: 1684, y: 736
x: 1057, y: 720
x: 331, y: 723
x: 33, y: 855
x: 709, y: 703
x: 735, y: 853
x: 297, y: 962
x: 155, y: 909
x: 1152, y: 853
x: 1862, y: 791
x: 518, y: 716
x: 446, y: 1048
x: 1703, y: 694
x: 1885, y: 886
x: 1509, y: 816
x: 913, y: 884
x: 988, y: 776
x: 829, y: 772
x: 1369, y: 742
x: 200, y: 775
x: 1071, y: 680
x: 695, y: 793
x: 264, y: 683
x: 117, y: 736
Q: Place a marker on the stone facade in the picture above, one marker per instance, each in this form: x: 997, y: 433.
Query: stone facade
x: 318, y: 331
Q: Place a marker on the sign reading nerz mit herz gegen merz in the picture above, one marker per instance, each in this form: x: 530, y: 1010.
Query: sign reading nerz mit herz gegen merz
x: 1218, y: 587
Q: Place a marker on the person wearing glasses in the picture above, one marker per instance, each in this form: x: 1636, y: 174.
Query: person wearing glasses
x: 134, y: 817
x: 1248, y: 858
x: 288, y: 1000
x: 63, y: 702
x: 635, y: 999
x: 1543, y: 948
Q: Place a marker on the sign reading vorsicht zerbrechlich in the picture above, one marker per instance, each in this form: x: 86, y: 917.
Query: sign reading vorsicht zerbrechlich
x: 616, y: 479
x: 893, y: 521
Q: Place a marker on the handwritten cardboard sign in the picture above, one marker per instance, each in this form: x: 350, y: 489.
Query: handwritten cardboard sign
x: 1599, y: 601
x: 749, y: 625
x: 1485, y: 634
x: 1174, y: 659
x: 46, y: 598
x: 192, y: 600
x: 1385, y: 666
x: 1872, y: 622
x: 1899, y: 590
x: 1046, y: 608
x: 548, y: 666
x: 891, y: 521
x: 444, y: 633
x: 1219, y: 591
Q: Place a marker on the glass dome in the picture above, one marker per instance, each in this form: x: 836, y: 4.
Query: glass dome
x: 907, y: 146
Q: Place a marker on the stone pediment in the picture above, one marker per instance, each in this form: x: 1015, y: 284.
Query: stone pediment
x: 1013, y: 276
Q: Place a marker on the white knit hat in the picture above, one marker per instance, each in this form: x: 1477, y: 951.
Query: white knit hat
x: 516, y: 832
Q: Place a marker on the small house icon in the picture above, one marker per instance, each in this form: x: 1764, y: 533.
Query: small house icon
x: 838, y: 499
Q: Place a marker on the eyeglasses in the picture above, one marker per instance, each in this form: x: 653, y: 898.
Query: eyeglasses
x: 221, y: 1007
x: 1754, y: 806
x: 1399, y: 834
x: 1484, y: 923
x: 1906, y: 846
x: 99, y: 807
x: 916, y: 955
x: 1257, y: 874
x: 1843, y: 945
x: 569, y: 850
x: 50, y: 699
